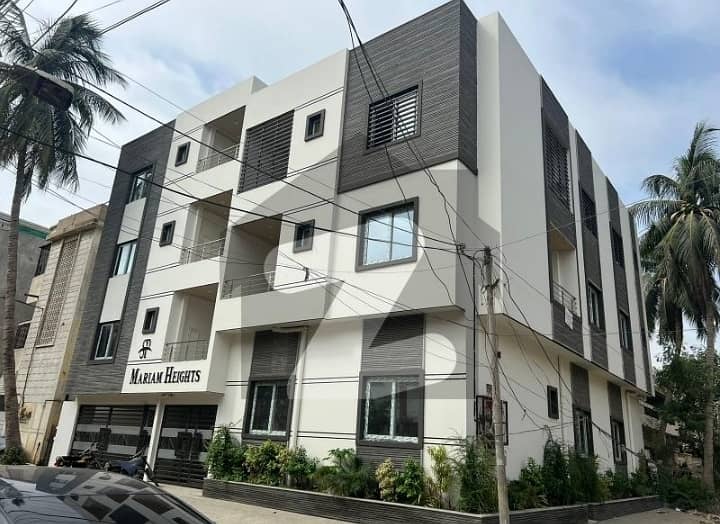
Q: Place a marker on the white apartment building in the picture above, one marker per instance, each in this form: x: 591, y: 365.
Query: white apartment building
x: 284, y: 259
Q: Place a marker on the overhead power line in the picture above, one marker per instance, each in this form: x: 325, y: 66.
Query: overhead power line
x: 133, y: 16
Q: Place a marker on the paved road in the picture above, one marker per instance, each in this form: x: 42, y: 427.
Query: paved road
x: 225, y: 512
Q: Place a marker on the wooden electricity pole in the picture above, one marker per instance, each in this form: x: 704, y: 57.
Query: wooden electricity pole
x: 498, y: 425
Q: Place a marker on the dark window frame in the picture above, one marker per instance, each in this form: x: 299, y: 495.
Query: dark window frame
x: 146, y: 175
x: 598, y: 323
x: 116, y: 262
x: 21, y: 331
x: 321, y: 127
x: 361, y: 234
x: 42, y: 260
x: 557, y: 168
x: 553, y: 402
x: 618, y: 249
x: 587, y: 414
x: 624, y: 333
x: 248, y: 432
x: 617, y: 428
x: 182, y: 154
x: 483, y: 419
x: 153, y: 313
x: 417, y: 374
x: 589, y: 212
x: 113, y: 343
x: 374, y: 145
x: 299, y: 248
x: 167, y: 226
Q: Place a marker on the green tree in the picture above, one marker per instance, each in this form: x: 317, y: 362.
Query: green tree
x: 682, y: 244
x: 39, y: 140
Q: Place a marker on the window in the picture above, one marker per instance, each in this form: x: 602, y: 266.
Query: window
x: 595, y: 306
x: 583, y: 431
x: 387, y: 236
x: 267, y: 152
x: 315, y: 125
x: 553, y: 402
x: 391, y: 409
x: 42, y: 259
x: 124, y: 258
x: 484, y: 418
x: 106, y: 341
x: 618, y: 251
x: 139, y: 185
x: 269, y: 409
x: 54, y: 305
x: 393, y: 118
x: 624, y: 330
x: 181, y: 155
x: 589, y: 214
x: 556, y: 167
x: 166, y: 233
x: 617, y: 431
x: 304, y: 236
x: 150, y: 320
x: 21, y: 334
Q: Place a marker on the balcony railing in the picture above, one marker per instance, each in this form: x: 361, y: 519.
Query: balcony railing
x: 564, y: 297
x: 250, y: 285
x: 216, y: 158
x: 211, y: 249
x: 185, y: 350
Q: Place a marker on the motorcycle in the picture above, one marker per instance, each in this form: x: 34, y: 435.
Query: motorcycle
x: 135, y: 467
x: 87, y: 458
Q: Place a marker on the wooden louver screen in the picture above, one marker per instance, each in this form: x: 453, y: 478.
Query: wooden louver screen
x: 556, y: 167
x: 267, y: 152
x: 393, y: 118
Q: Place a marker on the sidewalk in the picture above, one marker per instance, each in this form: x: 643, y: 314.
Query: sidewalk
x: 660, y: 516
x: 225, y: 512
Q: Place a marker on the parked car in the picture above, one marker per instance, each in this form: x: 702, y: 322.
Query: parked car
x: 76, y: 495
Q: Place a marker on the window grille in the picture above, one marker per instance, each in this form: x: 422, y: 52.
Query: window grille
x: 267, y: 152
x: 556, y: 167
x: 393, y: 118
x: 63, y: 271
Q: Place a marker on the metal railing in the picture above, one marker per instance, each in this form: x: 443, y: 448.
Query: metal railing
x: 211, y: 249
x: 216, y: 158
x: 564, y: 297
x: 250, y: 285
x: 185, y: 350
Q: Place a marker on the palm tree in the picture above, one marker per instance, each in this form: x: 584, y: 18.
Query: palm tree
x: 39, y: 140
x: 682, y: 247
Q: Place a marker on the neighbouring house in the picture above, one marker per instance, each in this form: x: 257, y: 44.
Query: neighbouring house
x: 31, y: 257
x: 297, y: 266
x: 44, y: 351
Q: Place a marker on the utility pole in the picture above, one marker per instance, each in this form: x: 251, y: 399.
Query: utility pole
x: 498, y: 426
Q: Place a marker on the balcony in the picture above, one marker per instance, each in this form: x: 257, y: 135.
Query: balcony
x: 211, y: 249
x: 216, y: 158
x: 184, y: 350
x: 564, y: 297
x: 250, y: 285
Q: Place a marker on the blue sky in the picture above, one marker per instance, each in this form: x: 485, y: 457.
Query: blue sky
x: 634, y: 76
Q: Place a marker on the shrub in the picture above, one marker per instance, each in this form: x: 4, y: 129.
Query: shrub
x: 297, y: 467
x: 225, y: 456
x: 411, y: 483
x: 475, y: 470
x: 618, y: 484
x: 12, y: 456
x: 438, y: 488
x: 387, y: 477
x: 264, y: 464
x: 584, y: 479
x: 529, y: 490
x: 685, y: 492
x: 555, y: 475
x: 346, y: 476
x: 642, y: 483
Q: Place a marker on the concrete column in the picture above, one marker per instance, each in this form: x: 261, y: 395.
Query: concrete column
x: 155, y: 434
x: 297, y: 394
x: 65, y: 429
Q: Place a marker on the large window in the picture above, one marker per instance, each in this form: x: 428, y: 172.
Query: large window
x: 270, y: 407
x: 393, y: 118
x: 484, y: 419
x: 595, y: 306
x: 624, y: 329
x: 618, y: 251
x: 124, y: 258
x: 21, y: 334
x: 617, y: 431
x: 42, y: 259
x: 553, y: 402
x: 106, y: 341
x: 139, y: 185
x: 391, y: 409
x: 387, y: 236
x: 583, y: 431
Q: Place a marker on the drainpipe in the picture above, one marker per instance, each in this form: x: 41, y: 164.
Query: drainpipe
x: 560, y: 403
x: 297, y: 395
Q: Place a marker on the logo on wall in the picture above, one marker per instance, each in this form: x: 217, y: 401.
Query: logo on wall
x: 145, y: 349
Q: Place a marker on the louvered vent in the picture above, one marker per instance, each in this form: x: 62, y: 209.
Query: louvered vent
x: 556, y: 167
x: 393, y: 118
x: 267, y: 151
x: 53, y: 309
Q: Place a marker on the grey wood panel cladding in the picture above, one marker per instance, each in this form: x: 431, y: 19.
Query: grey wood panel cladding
x: 615, y: 402
x: 436, y: 52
